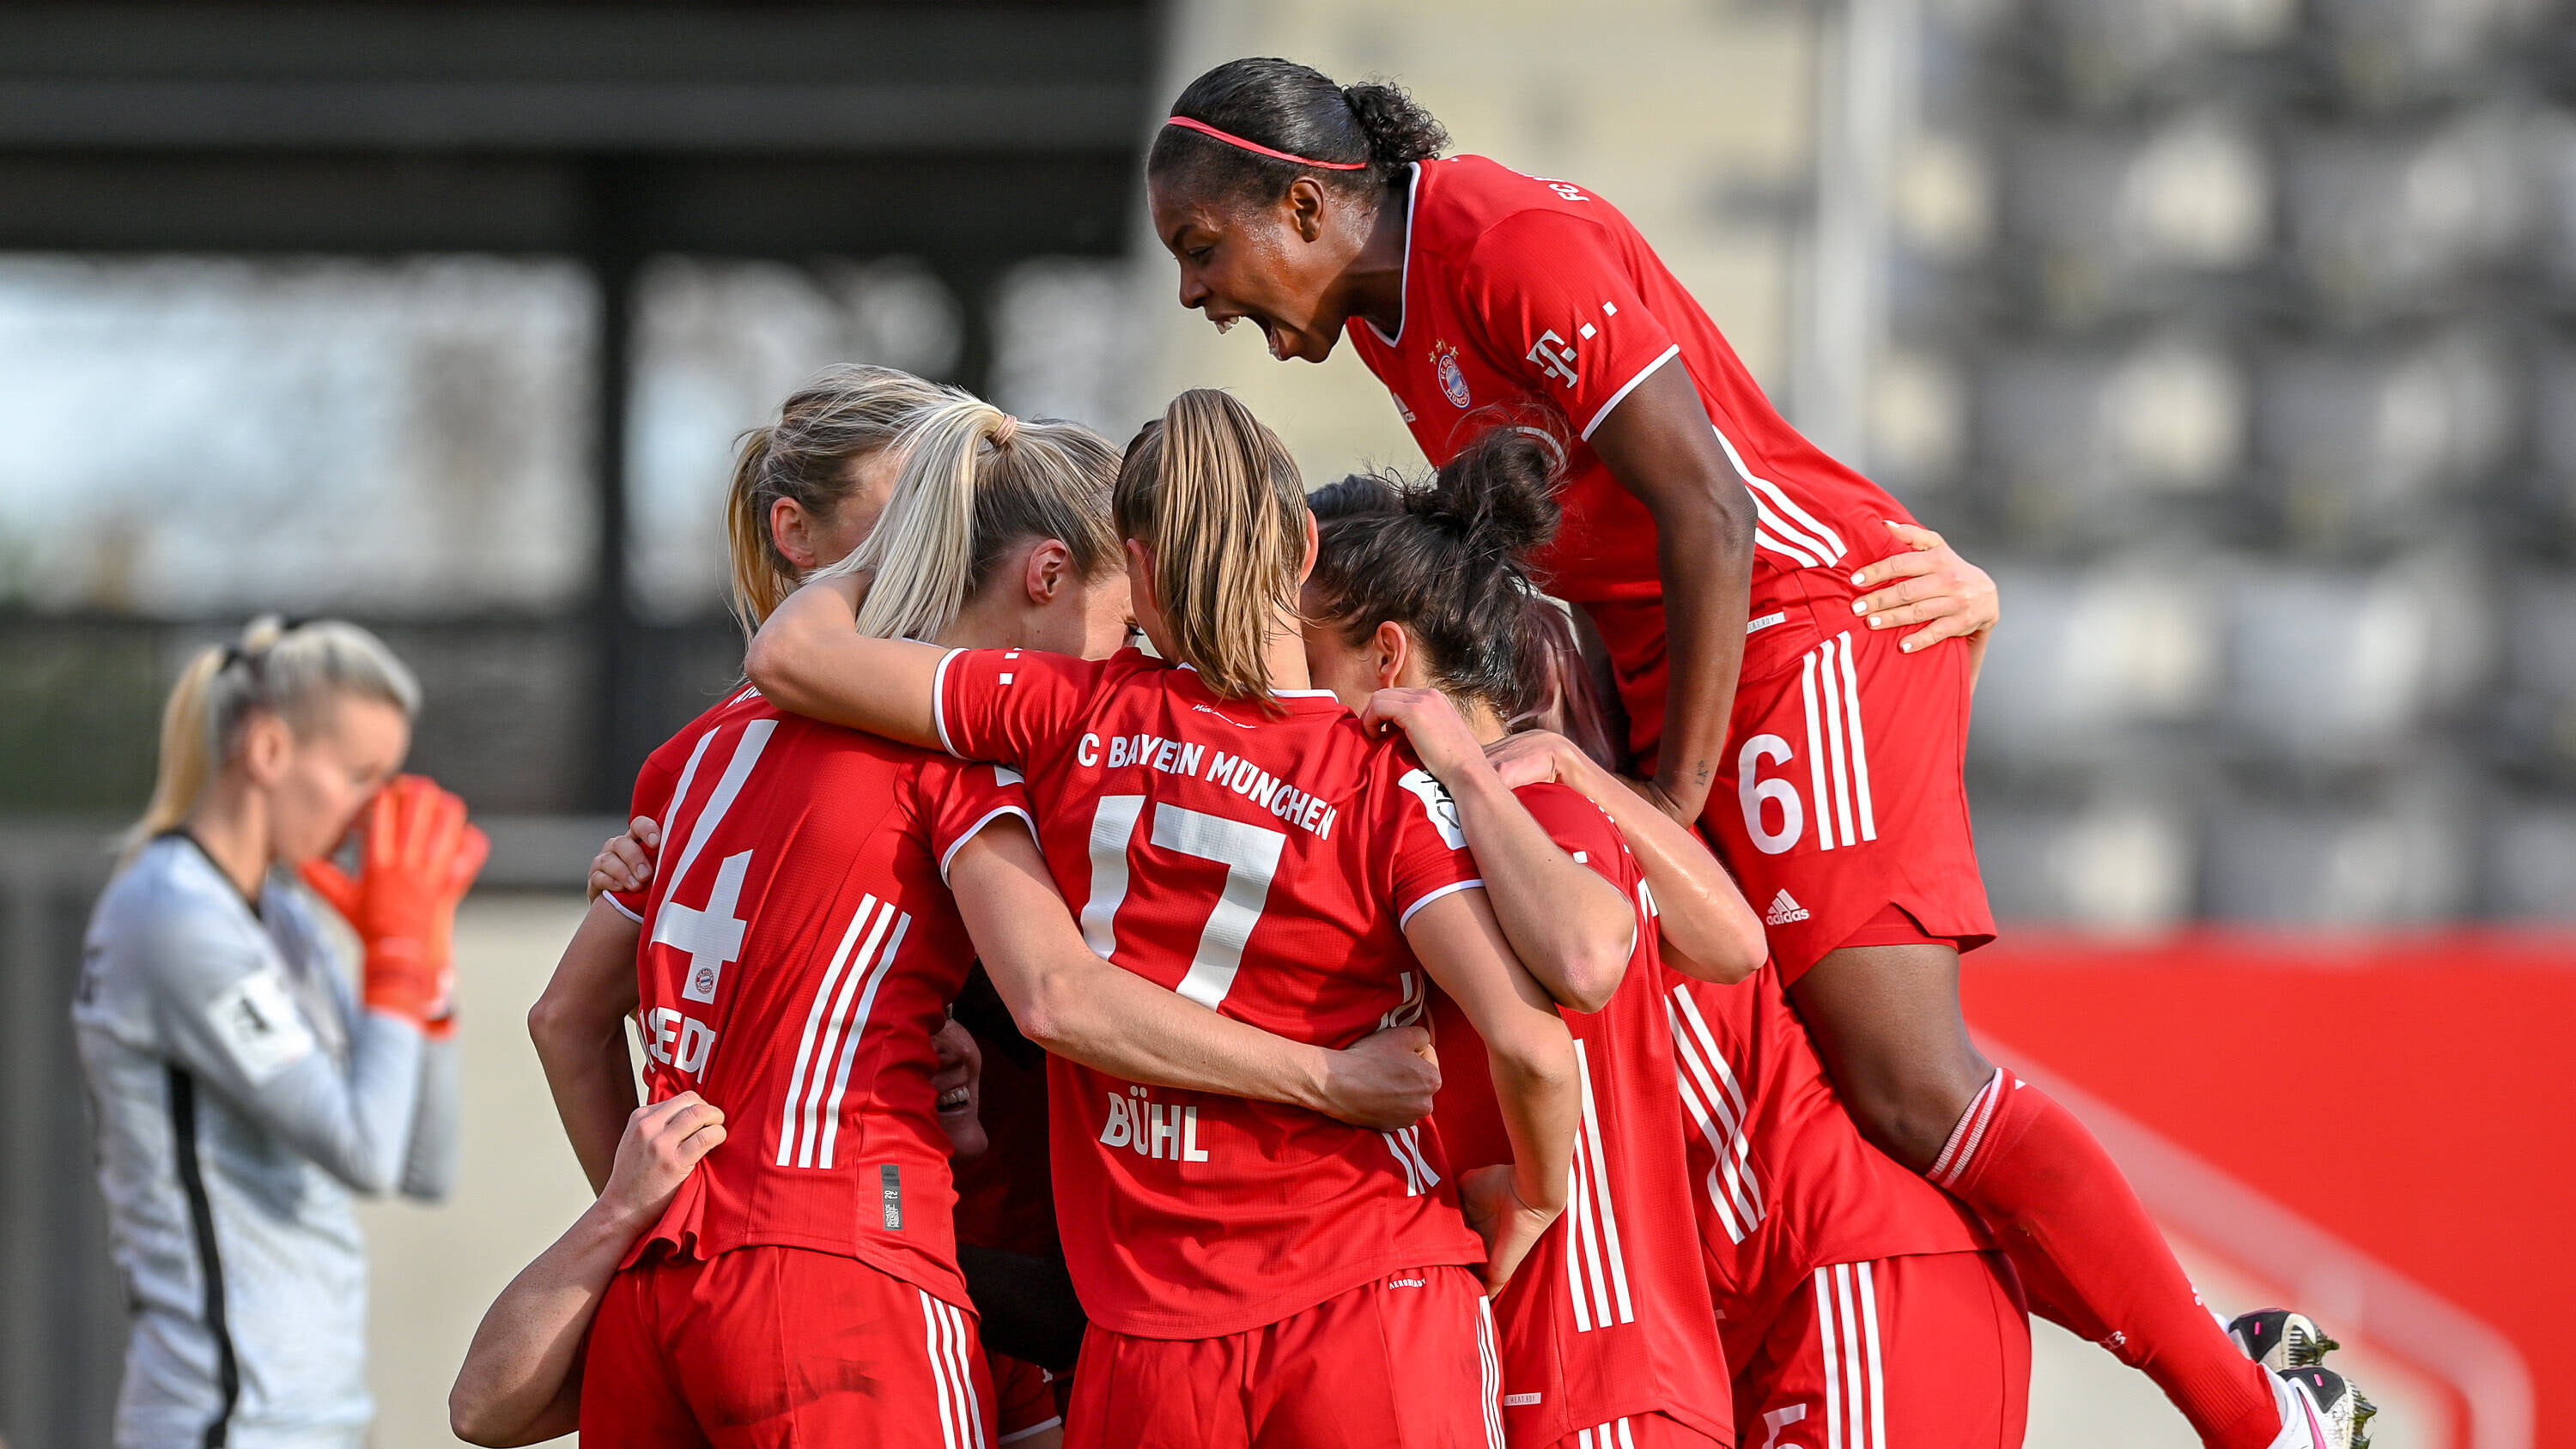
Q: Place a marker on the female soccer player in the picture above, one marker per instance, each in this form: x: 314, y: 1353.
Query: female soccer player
x: 242, y: 1095
x: 1238, y: 838
x: 1608, y: 1334
x: 1723, y: 558
x: 800, y: 944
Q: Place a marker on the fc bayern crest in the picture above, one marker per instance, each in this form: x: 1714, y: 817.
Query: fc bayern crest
x: 1453, y: 379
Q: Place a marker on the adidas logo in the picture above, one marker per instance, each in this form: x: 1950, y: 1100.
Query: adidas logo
x: 1783, y: 911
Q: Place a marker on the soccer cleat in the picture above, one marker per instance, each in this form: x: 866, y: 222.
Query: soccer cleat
x: 2321, y: 1411
x: 2279, y: 1339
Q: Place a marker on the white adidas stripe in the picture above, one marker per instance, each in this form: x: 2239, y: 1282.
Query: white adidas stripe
x: 948, y: 1426
x: 850, y: 1041
x: 820, y: 1080
x: 1489, y: 1360
x: 1419, y: 1175
x: 1780, y: 524
x: 813, y: 1024
x: 1868, y: 1289
x: 1855, y: 1378
x: 1716, y: 1102
x: 1605, y: 1212
x: 1837, y: 752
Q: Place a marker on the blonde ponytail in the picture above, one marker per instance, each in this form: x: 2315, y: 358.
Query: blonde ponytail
x: 187, y: 754
x: 975, y: 482
x: 1217, y: 498
x: 809, y: 456
x: 294, y: 671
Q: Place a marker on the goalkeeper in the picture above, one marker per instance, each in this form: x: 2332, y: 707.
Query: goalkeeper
x: 242, y: 1091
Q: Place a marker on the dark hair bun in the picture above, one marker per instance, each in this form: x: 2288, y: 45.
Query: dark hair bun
x: 1500, y: 493
x: 1357, y: 495
x: 1400, y: 132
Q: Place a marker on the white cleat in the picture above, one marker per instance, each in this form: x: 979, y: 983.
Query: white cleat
x: 2320, y: 1411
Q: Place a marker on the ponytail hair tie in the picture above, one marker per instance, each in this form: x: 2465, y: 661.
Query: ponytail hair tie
x: 1005, y: 430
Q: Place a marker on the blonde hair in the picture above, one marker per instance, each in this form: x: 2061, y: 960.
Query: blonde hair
x: 295, y: 671
x: 976, y: 481
x: 806, y: 456
x: 1217, y: 498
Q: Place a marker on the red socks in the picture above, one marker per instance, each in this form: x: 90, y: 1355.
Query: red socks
x: 2092, y: 1261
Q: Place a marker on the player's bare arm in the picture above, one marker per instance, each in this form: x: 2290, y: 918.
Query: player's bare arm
x: 1707, y: 929
x: 1532, y: 1058
x: 1659, y: 444
x: 809, y: 658
x: 1081, y: 1007
x: 521, y: 1380
x: 1571, y: 928
x: 579, y: 1026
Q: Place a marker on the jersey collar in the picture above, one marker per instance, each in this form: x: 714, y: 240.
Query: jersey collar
x: 1404, y: 282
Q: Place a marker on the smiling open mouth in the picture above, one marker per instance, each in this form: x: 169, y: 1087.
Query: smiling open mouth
x: 953, y: 1099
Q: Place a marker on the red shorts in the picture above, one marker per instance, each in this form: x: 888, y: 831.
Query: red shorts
x: 766, y: 1347
x: 1928, y: 1349
x: 1640, y: 1431
x: 1406, y: 1362
x: 1841, y: 794
x: 1024, y: 1398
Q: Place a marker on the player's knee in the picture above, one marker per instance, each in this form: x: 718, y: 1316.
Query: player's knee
x: 1909, y: 1113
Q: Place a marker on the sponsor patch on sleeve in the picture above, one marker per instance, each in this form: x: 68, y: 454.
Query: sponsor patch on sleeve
x: 259, y: 1026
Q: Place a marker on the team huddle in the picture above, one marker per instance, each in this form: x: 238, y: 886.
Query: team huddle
x: 1492, y: 937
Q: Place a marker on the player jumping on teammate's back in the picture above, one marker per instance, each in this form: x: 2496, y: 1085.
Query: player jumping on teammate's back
x: 1241, y: 840
x: 1722, y: 557
x: 799, y: 944
x: 1418, y: 611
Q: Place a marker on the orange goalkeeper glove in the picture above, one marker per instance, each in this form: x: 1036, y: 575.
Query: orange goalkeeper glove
x: 417, y: 857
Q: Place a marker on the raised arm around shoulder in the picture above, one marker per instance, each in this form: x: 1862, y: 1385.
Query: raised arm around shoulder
x: 1571, y: 928
x: 809, y: 658
x: 1087, y: 1010
x: 1707, y: 929
x: 579, y: 1027
x: 1532, y: 1058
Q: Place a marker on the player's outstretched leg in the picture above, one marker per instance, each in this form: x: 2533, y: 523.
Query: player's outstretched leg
x: 1886, y: 1019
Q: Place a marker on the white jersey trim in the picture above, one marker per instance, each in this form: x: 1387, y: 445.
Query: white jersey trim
x: 619, y: 906
x: 939, y: 701
x: 971, y: 831
x: 1450, y: 889
x: 1630, y: 386
x: 1404, y: 279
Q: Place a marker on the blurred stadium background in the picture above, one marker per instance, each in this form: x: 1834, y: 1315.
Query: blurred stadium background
x: 2234, y: 336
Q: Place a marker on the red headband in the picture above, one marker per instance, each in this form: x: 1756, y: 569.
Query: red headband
x: 1256, y: 148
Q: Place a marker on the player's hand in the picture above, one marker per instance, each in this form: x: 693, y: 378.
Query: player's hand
x: 663, y: 1142
x: 625, y: 863
x: 1533, y: 757
x: 1929, y: 584
x: 1439, y: 734
x: 1509, y: 1226
x: 1384, y: 1081
x: 417, y: 857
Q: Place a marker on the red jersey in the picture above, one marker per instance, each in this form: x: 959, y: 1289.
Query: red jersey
x: 1609, y: 1315
x: 800, y: 948
x: 1260, y: 863
x: 1520, y: 290
x: 1781, y: 1179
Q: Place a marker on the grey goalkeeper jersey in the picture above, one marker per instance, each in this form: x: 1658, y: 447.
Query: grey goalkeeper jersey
x: 240, y: 1097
